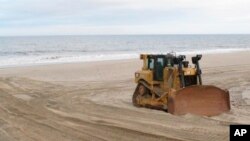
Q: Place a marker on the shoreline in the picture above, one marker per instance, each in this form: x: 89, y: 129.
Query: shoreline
x: 77, y: 71
x: 117, y: 59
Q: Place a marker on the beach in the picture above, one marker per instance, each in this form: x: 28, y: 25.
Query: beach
x: 92, y: 101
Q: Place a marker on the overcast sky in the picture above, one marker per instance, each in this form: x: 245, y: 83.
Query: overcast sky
x: 74, y: 17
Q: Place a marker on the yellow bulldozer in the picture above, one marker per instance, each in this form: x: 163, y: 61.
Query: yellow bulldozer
x: 167, y: 82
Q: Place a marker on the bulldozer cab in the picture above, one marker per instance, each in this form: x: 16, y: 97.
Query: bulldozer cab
x: 156, y: 64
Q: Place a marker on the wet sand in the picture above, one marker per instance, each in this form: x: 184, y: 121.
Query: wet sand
x: 92, y: 101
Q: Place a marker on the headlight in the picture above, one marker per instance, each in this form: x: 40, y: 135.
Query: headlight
x: 137, y: 75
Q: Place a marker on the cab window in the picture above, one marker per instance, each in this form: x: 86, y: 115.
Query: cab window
x: 151, y: 63
x: 160, y: 61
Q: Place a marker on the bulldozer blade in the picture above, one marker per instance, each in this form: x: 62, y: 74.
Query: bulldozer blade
x: 199, y: 100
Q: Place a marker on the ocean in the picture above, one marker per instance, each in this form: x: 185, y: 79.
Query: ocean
x: 35, y: 50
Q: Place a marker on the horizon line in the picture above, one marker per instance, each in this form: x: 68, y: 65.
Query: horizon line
x: 125, y: 34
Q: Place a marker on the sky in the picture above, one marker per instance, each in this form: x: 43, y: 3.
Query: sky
x: 91, y: 17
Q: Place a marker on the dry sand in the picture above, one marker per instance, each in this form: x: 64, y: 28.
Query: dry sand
x: 92, y: 101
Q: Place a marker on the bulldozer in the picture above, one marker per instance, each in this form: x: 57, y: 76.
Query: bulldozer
x: 168, y: 82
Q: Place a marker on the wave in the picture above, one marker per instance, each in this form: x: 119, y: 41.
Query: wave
x: 38, y: 52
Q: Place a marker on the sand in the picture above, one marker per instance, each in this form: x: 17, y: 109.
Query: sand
x: 92, y: 101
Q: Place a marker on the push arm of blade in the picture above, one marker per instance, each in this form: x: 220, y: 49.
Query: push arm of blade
x: 199, y: 72
x: 181, y: 73
x: 195, y: 61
